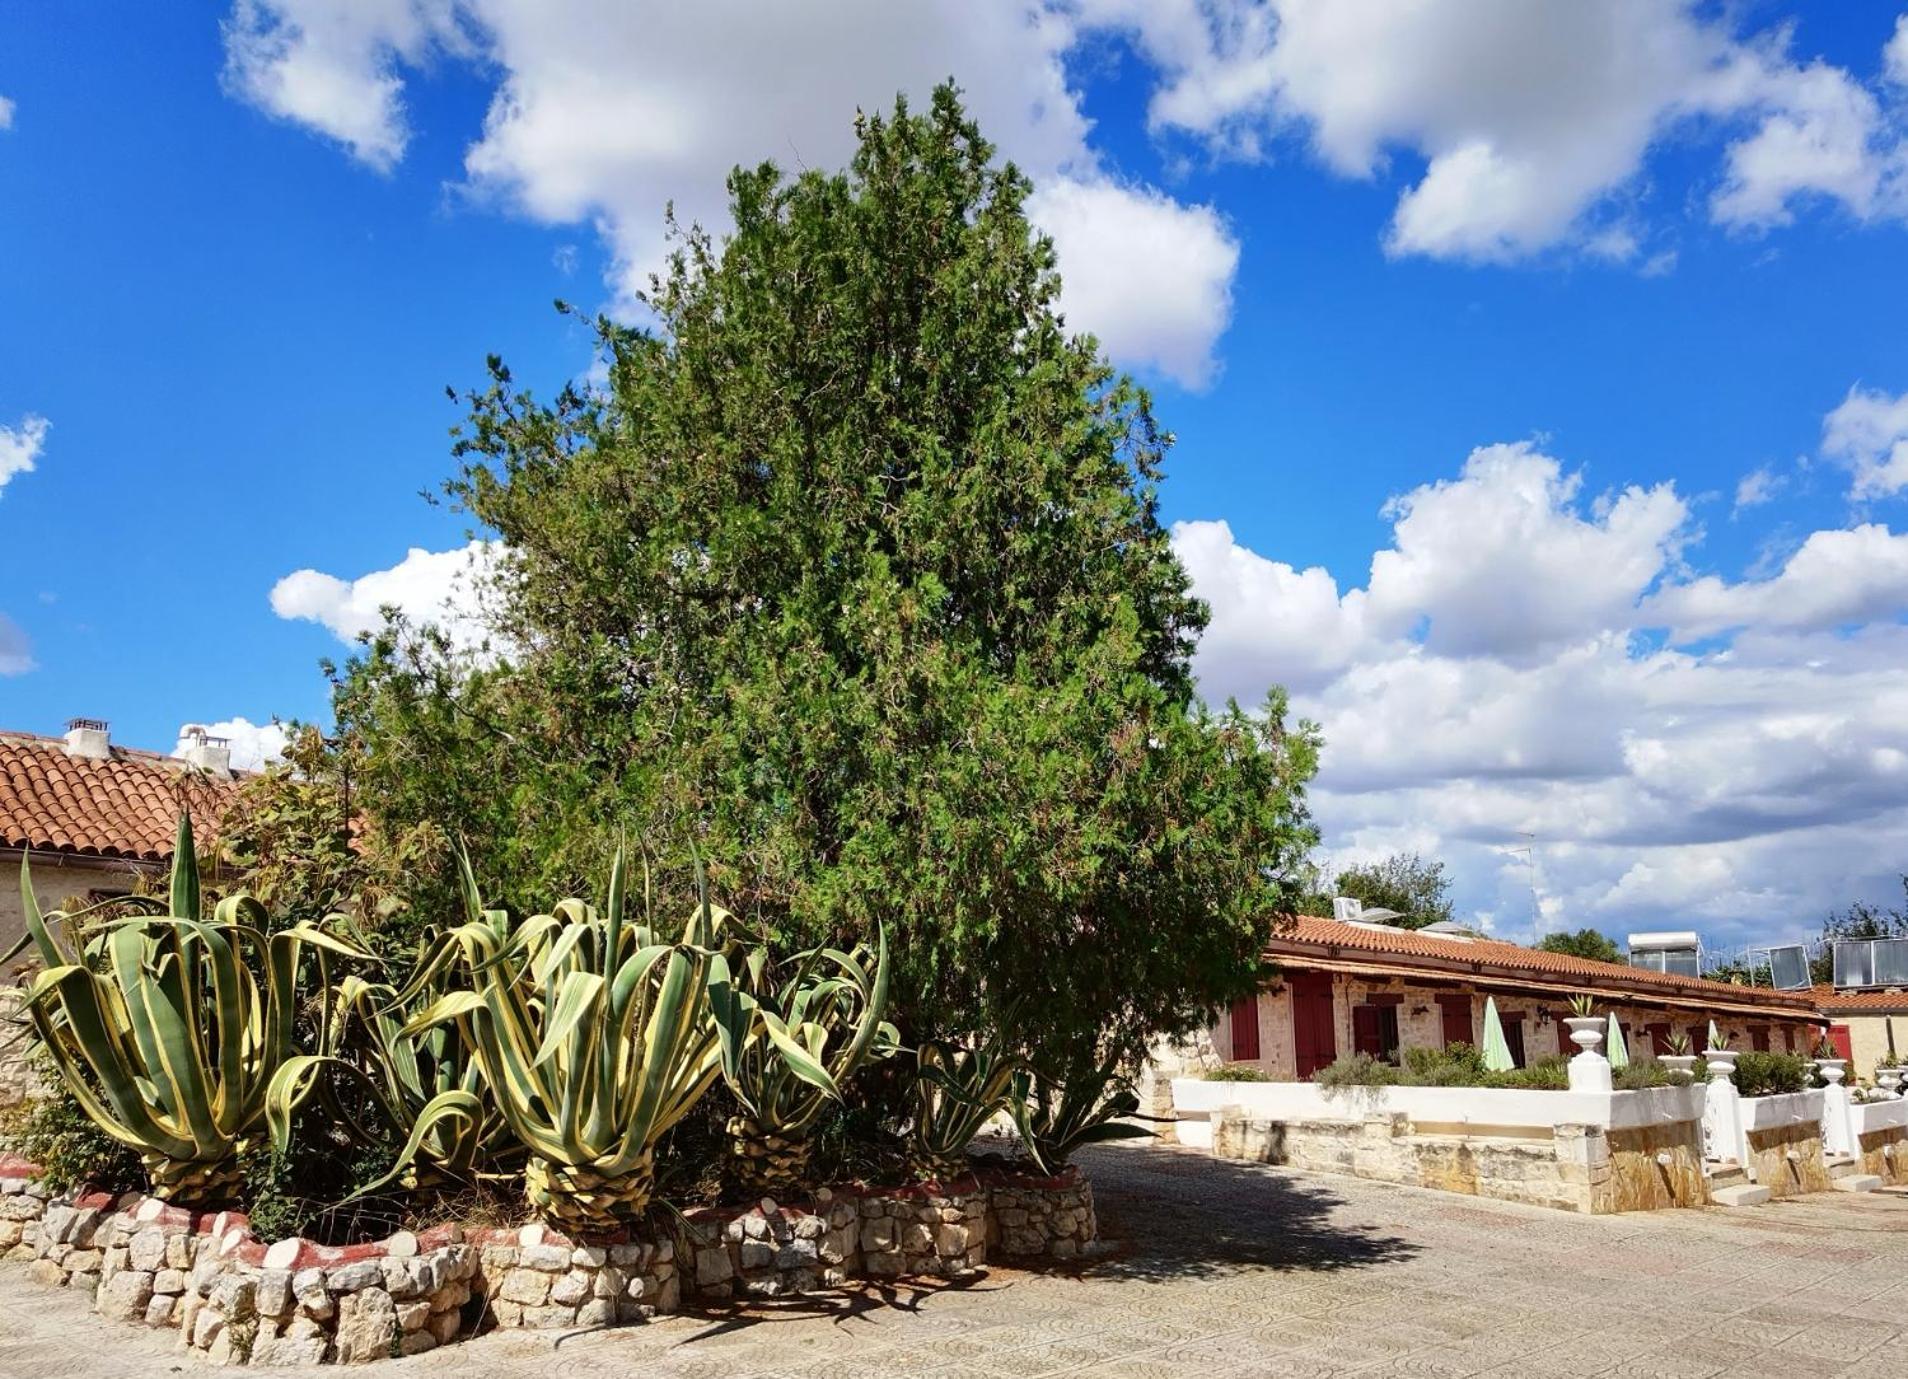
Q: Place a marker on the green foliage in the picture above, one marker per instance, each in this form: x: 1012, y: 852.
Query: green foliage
x: 1582, y: 1007
x: 1644, y: 1073
x: 1237, y: 1072
x: 853, y: 572
x: 1584, y: 943
x: 324, y: 1183
x: 1056, y: 1115
x: 1357, y: 1070
x: 1770, y: 1074
x: 309, y: 849
x: 167, y: 1028
x: 1414, y: 886
x: 789, y: 1042
x: 55, y: 1132
x: 957, y: 1090
x: 1456, y: 1065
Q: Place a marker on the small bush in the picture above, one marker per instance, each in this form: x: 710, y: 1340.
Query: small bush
x: 71, y: 1151
x: 1771, y: 1074
x: 1238, y: 1072
x: 1455, y: 1065
x: 1644, y: 1074
x: 1356, y: 1070
x: 1551, y: 1073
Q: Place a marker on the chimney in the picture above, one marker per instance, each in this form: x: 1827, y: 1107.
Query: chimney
x: 204, y: 752
x: 88, y: 738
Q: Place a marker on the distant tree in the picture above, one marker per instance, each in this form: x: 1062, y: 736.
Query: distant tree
x: 1416, y: 888
x: 1585, y: 943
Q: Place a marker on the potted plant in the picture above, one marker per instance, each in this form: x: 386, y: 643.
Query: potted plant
x: 1679, y: 1059
x: 1720, y: 1057
x: 1586, y: 1027
x: 1830, y: 1066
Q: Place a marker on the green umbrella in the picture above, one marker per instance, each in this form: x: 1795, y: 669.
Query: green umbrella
x: 1497, y: 1056
x: 1613, y: 1046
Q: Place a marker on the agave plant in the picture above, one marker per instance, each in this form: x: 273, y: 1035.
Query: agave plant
x: 956, y: 1092
x: 1090, y: 1105
x: 595, y: 1036
x: 168, y: 1028
x: 789, y: 1044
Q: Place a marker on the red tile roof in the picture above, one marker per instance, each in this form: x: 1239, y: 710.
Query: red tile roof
x: 122, y: 806
x: 1408, y: 948
x: 1832, y: 1002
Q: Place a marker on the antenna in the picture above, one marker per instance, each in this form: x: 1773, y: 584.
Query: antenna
x: 1529, y: 851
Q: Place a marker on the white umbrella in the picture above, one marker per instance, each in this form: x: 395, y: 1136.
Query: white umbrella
x: 1613, y: 1046
x: 1497, y: 1054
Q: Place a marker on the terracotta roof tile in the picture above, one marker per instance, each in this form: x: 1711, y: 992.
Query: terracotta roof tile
x: 123, y: 806
x: 1409, y: 944
x: 1832, y: 1002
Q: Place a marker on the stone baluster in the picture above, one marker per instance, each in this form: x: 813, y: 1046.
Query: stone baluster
x: 1723, y: 1134
x: 1589, y: 1069
x: 1838, y: 1131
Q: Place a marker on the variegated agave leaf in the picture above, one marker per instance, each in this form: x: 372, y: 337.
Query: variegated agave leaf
x: 168, y: 1029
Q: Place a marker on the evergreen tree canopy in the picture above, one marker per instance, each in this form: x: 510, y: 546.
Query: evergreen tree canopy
x: 852, y: 577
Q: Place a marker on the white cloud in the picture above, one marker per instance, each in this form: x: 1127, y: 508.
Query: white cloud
x: 16, y: 652
x: 253, y: 744
x: 6, y: 113
x: 1504, y: 560
x: 1495, y: 688
x: 441, y: 587
x: 1835, y: 579
x: 1151, y: 277
x: 1755, y: 488
x: 332, y: 65
x: 1868, y: 432
x: 20, y: 446
x: 605, y: 111
x: 1531, y: 123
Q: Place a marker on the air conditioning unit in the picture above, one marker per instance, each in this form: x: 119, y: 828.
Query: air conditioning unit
x: 1346, y: 908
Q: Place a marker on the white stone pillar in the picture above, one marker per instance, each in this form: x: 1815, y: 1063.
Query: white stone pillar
x: 1838, y: 1131
x: 1589, y: 1070
x: 1723, y: 1136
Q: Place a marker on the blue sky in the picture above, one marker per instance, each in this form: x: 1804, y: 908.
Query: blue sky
x: 1646, y: 252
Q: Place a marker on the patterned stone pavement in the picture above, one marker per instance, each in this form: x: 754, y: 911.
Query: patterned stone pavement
x: 1230, y: 1269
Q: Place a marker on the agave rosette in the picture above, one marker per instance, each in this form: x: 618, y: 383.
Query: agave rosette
x: 789, y: 1043
x: 167, y: 1028
x: 594, y: 1035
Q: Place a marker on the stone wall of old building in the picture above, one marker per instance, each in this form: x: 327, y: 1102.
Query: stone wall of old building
x: 1787, y: 1159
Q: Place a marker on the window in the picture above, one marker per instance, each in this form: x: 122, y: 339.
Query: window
x: 1514, y: 1037
x: 1375, y: 1031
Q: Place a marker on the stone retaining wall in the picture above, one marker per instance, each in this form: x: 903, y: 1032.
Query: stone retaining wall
x: 295, y: 1302
x: 1874, y: 1148
x: 1787, y: 1159
x: 1570, y: 1167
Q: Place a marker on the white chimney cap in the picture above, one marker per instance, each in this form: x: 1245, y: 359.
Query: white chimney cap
x: 88, y: 738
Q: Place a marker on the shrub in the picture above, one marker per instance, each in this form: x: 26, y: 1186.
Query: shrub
x: 1646, y: 1073
x: 1771, y: 1074
x: 55, y: 1133
x: 1455, y: 1065
x: 1356, y: 1070
x: 1551, y: 1073
x: 1238, y: 1072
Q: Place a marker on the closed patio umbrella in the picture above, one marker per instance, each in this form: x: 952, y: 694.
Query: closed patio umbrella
x: 1715, y: 1036
x: 1613, y: 1046
x: 1497, y: 1055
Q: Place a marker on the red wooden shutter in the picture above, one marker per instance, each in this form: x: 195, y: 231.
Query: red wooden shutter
x: 1759, y: 1038
x: 1659, y: 1038
x: 1457, y: 1018
x: 1366, y: 1036
x: 1844, y: 1048
x: 1245, y: 1030
x: 1314, y: 1033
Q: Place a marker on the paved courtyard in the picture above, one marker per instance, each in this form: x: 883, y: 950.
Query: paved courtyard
x: 1232, y: 1269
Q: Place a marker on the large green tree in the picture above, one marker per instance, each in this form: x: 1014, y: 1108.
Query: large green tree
x: 1583, y: 943
x: 852, y: 576
x: 1413, y: 885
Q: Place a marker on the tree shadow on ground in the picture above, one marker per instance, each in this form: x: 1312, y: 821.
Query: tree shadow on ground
x: 1177, y: 1213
